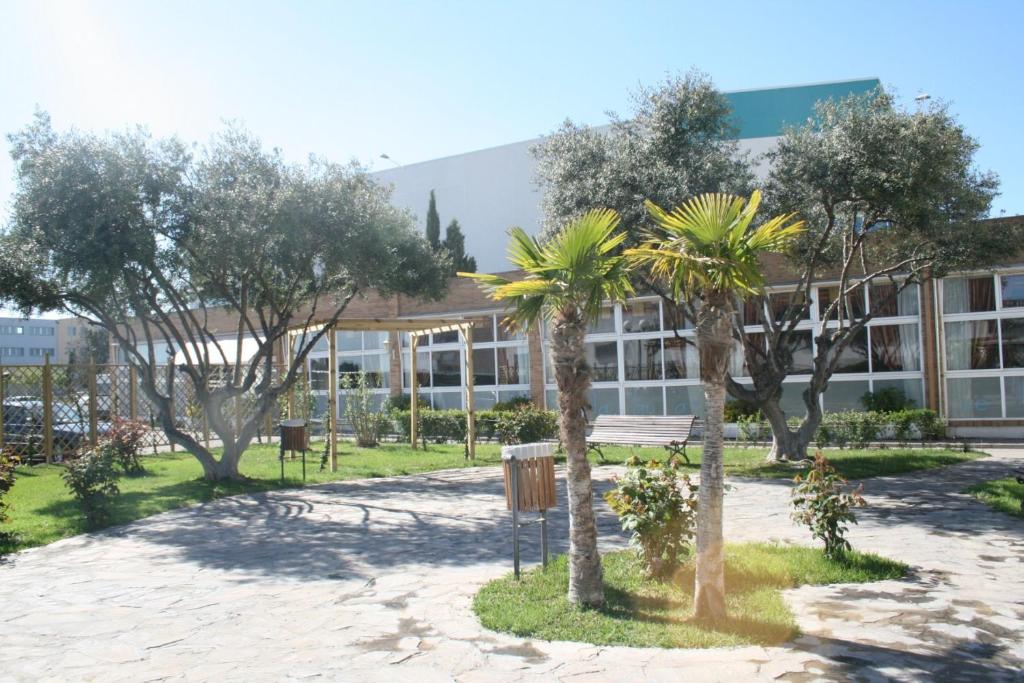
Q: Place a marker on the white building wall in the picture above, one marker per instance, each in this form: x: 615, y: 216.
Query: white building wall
x: 489, y: 191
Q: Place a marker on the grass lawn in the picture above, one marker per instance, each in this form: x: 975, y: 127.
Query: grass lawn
x: 642, y: 612
x: 851, y: 463
x: 43, y: 511
x: 1002, y: 494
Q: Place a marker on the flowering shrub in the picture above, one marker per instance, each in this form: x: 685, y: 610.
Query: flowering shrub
x: 124, y: 442
x: 659, y: 508
x: 92, y: 480
x: 8, y: 461
x: 824, y: 506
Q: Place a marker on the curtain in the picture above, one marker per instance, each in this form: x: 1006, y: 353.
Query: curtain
x: 982, y: 294
x: 954, y: 295
x: 984, y: 351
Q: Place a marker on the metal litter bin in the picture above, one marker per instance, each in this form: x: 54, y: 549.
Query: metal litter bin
x: 529, y: 471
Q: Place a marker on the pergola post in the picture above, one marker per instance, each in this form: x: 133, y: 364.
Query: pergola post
x: 332, y: 395
x: 413, y: 388
x: 289, y: 361
x: 467, y: 334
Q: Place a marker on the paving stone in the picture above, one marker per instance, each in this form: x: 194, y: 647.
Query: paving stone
x: 374, y: 580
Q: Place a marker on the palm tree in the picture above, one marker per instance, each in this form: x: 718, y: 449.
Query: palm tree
x: 707, y: 251
x: 568, y: 278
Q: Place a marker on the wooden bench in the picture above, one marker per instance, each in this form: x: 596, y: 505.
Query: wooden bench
x: 673, y: 432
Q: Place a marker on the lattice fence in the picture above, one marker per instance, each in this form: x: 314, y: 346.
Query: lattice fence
x: 54, y: 412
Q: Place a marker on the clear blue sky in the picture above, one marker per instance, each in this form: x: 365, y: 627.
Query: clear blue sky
x: 419, y: 80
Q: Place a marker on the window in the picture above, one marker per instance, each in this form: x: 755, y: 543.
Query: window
x: 887, y: 302
x: 38, y: 353
x: 12, y: 351
x: 681, y: 360
x: 895, y: 348
x: 976, y: 397
x: 318, y: 374
x: 968, y: 294
x: 507, y: 334
x: 854, y: 358
x: 842, y: 396
x: 483, y: 367
x: 687, y: 400
x: 642, y: 358
x: 604, y: 323
x: 675, y: 318
x: 349, y: 340
x: 644, y: 401
x: 483, y: 331
x: 603, y: 359
x: 1014, y: 396
x: 852, y: 310
x: 449, y: 337
x: 972, y: 345
x: 780, y: 302
x: 513, y: 365
x: 603, y: 402
x: 641, y: 316
x: 1012, y: 290
x: 1013, y: 342
x: 803, y: 354
x: 446, y: 368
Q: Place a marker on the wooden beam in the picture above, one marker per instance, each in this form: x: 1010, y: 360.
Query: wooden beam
x: 413, y: 396
x: 93, y: 404
x: 332, y: 396
x: 47, y: 411
x: 421, y: 325
x: 467, y: 334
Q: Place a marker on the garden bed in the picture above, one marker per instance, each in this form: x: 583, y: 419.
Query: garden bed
x: 642, y: 612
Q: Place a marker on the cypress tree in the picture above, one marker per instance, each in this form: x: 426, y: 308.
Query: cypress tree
x: 455, y: 243
x: 433, y: 223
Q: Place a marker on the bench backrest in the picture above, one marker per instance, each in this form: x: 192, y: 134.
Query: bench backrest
x: 624, y: 428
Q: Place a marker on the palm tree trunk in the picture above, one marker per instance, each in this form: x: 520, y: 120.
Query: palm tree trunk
x: 714, y: 342
x: 573, y: 377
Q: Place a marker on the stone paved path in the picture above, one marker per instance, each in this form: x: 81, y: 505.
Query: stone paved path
x: 373, y: 581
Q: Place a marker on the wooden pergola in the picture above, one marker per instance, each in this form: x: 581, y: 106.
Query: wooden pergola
x: 416, y: 327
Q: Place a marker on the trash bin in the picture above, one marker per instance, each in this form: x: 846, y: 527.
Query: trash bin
x: 529, y: 471
x: 294, y: 437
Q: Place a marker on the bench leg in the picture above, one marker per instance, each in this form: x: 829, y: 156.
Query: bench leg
x: 678, y: 449
x: 595, y: 447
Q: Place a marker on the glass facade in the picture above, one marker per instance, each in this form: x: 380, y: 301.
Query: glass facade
x: 644, y: 352
x: 501, y: 366
x: 983, y: 326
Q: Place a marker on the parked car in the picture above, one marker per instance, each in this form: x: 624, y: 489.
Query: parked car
x: 23, y: 425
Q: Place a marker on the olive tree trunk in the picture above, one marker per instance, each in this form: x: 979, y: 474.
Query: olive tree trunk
x: 573, y: 378
x: 714, y: 342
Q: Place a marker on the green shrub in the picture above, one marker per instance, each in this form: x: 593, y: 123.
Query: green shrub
x: 92, y: 480
x: 659, y: 509
x: 823, y: 505
x: 865, y: 427
x: 752, y: 428
x: 404, y: 402
x: 367, y: 421
x: 734, y: 410
x: 8, y: 463
x: 526, y: 426
x: 509, y: 427
x: 515, y: 403
x: 888, y: 400
x: 125, y: 441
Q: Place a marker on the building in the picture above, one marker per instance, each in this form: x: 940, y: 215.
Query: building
x: 956, y: 345
x: 490, y: 190
x: 27, y: 341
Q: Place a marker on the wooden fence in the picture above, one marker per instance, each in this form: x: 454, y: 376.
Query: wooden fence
x: 51, y: 411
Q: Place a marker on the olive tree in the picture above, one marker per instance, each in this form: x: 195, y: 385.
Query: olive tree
x: 890, y: 198
x: 166, y: 246
x: 679, y: 142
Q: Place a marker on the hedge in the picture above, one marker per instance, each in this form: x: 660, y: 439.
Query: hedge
x: 858, y: 428
x: 508, y: 427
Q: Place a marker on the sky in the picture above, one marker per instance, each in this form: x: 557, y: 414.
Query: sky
x: 420, y: 80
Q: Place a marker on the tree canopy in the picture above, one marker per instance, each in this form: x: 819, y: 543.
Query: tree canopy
x: 160, y: 242
x: 678, y: 142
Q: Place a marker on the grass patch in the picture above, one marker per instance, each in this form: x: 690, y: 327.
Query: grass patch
x: 1002, y: 494
x: 641, y: 612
